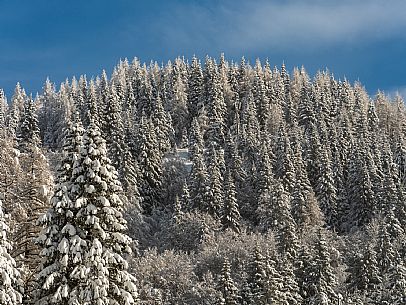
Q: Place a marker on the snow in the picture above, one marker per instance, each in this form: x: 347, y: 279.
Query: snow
x: 90, y: 189
x: 63, y: 246
x: 70, y: 229
x: 104, y: 201
x: 79, y: 202
x: 92, y: 209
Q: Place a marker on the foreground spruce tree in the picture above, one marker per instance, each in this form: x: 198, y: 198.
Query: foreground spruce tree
x: 59, y: 226
x: 84, y: 244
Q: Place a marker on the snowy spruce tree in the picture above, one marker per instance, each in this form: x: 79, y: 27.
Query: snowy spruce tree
x: 230, y: 215
x: 227, y: 287
x: 84, y: 244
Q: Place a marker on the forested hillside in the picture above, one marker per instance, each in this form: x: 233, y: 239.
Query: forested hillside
x: 203, y: 183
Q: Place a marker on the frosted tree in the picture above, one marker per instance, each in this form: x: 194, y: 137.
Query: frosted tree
x: 3, y: 114
x: 16, y: 111
x: 59, y: 224
x: 216, y: 192
x: 384, y: 248
x: 113, y: 129
x: 274, y: 212
x: 10, y: 173
x: 48, y: 114
x: 145, y: 94
x: 103, y: 92
x: 230, y: 215
x: 290, y: 286
x: 92, y: 106
x: 305, y: 208
x: 326, y: 192
x: 162, y: 122
x: 195, y: 140
x: 91, y: 246
x: 400, y: 159
x: 257, y: 278
x: 324, y: 276
x: 185, y: 198
x: 200, y: 185
x: 179, y: 109
x: 274, y: 283
x: 395, y: 290
x: 284, y: 169
x: 264, y: 172
x: 363, y: 270
x: 215, y: 104
x: 227, y: 287
x: 81, y: 97
x: 261, y: 98
x: 29, y: 134
x: 149, y: 161
x: 33, y: 195
x: 306, y: 115
x: 361, y: 196
x: 10, y: 282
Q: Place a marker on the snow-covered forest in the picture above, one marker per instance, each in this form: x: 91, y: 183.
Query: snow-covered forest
x: 202, y: 183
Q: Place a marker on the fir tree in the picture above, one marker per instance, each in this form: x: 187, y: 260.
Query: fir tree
x: 194, y: 89
x: 59, y: 225
x: 149, y: 160
x: 257, y: 278
x: 200, y: 195
x: 90, y: 248
x: 326, y: 192
x: 216, y: 192
x: 325, y: 280
x: 363, y: 270
x: 29, y: 134
x: 230, y: 216
x: 16, y: 111
x: 227, y: 287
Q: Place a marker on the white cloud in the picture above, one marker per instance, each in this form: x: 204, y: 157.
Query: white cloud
x: 245, y: 25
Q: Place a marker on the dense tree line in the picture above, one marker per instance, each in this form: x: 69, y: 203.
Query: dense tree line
x: 213, y: 183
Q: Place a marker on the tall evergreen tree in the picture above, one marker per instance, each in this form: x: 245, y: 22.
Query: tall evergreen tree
x: 59, y: 224
x: 326, y: 192
x: 227, y: 287
x: 230, y: 215
x: 29, y: 135
x: 149, y: 160
x: 257, y: 278
x: 89, y: 248
x: 216, y: 192
x: 326, y: 281
x: 194, y: 89
x: 16, y: 111
x: 363, y: 270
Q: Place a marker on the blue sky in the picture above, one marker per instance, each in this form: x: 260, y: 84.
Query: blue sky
x: 360, y: 39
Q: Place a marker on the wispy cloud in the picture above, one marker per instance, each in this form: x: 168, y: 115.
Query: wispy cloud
x: 247, y: 25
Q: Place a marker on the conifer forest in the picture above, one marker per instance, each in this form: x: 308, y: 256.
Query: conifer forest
x: 202, y: 182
